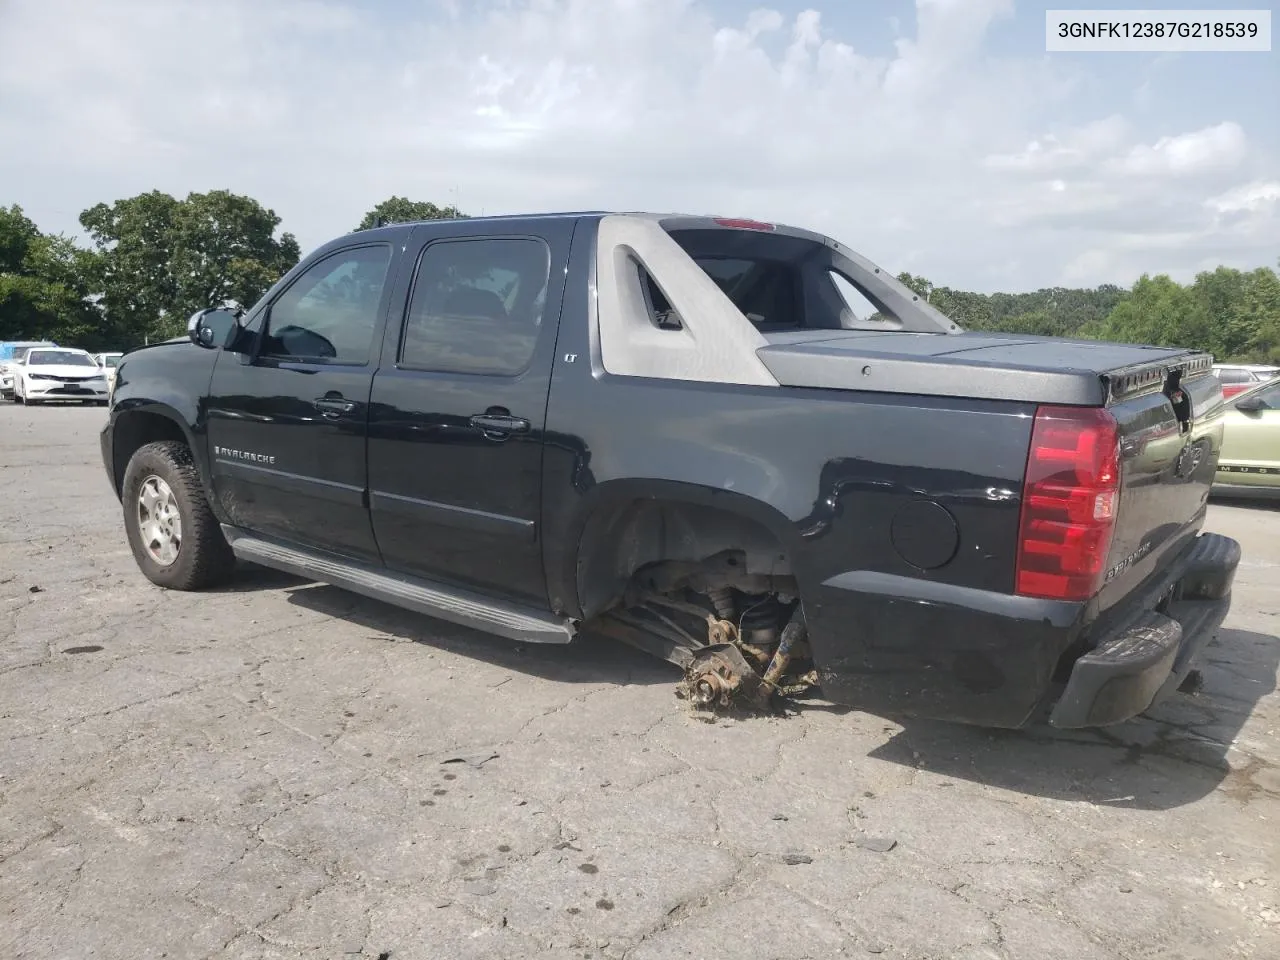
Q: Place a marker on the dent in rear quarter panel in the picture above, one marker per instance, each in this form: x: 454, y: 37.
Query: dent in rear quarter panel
x: 829, y: 471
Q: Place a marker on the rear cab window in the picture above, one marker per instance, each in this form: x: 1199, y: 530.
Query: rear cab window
x: 780, y: 282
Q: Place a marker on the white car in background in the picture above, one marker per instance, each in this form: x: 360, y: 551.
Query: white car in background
x: 59, y: 373
x: 11, y: 354
x: 108, y: 362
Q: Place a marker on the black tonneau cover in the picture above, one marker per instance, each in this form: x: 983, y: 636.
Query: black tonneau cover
x: 983, y: 365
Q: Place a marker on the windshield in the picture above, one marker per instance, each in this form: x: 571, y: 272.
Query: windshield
x: 111, y: 361
x: 67, y: 358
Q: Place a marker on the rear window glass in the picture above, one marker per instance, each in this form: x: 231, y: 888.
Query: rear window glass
x: 765, y: 291
x: 780, y: 282
x: 1235, y: 376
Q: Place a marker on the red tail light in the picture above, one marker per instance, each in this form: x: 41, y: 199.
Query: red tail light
x: 1069, y: 500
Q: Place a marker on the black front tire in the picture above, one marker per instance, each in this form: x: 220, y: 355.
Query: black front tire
x: 204, y: 558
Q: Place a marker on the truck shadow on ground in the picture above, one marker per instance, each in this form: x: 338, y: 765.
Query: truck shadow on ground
x: 1179, y: 752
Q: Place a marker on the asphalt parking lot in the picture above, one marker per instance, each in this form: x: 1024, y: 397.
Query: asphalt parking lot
x: 280, y: 769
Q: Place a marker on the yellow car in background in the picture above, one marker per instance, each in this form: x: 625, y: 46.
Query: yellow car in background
x: 1250, y: 461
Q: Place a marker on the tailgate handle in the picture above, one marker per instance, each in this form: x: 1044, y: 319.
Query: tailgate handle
x: 1178, y: 399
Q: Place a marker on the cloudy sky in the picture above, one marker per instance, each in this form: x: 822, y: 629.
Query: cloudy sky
x: 935, y: 136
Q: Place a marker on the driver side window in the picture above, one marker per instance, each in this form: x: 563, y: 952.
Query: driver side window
x: 329, y: 313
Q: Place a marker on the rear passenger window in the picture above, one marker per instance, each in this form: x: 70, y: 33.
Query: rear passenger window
x: 477, y: 306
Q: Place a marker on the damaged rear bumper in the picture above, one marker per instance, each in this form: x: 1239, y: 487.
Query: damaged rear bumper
x: 1141, y: 662
x: 903, y: 646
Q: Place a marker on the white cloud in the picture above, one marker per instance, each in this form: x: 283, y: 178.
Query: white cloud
x: 932, y: 155
x: 1076, y: 147
x: 1219, y: 147
x: 1255, y: 197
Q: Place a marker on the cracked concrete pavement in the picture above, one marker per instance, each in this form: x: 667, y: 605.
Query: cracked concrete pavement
x: 281, y: 769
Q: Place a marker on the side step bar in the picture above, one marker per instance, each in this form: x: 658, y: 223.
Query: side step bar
x: 433, y: 599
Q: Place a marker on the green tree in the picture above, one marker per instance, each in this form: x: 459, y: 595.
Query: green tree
x: 224, y: 250
x: 1055, y: 311
x: 1220, y: 294
x: 1160, y: 312
x: 161, y: 259
x: 404, y: 210
x: 1040, y: 323
x: 45, y: 286
x: 16, y: 234
x: 917, y: 285
x: 134, y: 238
x: 1261, y: 312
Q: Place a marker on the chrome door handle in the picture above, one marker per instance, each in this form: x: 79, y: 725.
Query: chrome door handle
x: 334, y: 406
x: 500, y: 423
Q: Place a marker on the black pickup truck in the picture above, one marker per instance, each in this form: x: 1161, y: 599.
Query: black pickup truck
x: 738, y: 445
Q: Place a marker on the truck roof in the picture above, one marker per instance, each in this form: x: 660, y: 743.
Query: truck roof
x: 701, y: 221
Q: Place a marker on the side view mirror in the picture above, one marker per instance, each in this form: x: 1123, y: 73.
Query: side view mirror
x: 1252, y: 404
x: 213, y: 328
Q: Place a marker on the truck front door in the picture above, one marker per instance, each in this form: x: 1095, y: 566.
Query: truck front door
x: 459, y: 405
x: 287, y: 421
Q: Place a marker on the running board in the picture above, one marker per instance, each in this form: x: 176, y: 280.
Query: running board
x: 421, y: 596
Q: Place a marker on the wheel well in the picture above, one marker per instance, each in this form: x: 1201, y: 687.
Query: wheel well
x: 134, y: 430
x: 668, y: 542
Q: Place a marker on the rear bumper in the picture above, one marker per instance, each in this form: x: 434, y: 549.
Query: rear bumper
x: 1144, y: 660
x: 902, y: 646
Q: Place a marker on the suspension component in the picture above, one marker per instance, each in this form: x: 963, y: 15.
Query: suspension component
x: 725, y: 602
x: 762, y: 620
x: 794, y: 642
x: 719, y: 676
x: 750, y: 662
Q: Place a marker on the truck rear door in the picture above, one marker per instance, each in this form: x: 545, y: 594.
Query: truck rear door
x: 459, y: 403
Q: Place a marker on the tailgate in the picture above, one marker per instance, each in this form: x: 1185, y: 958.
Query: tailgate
x: 1169, y: 416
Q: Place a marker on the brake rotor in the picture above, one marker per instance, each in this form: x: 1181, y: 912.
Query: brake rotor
x: 718, y: 676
